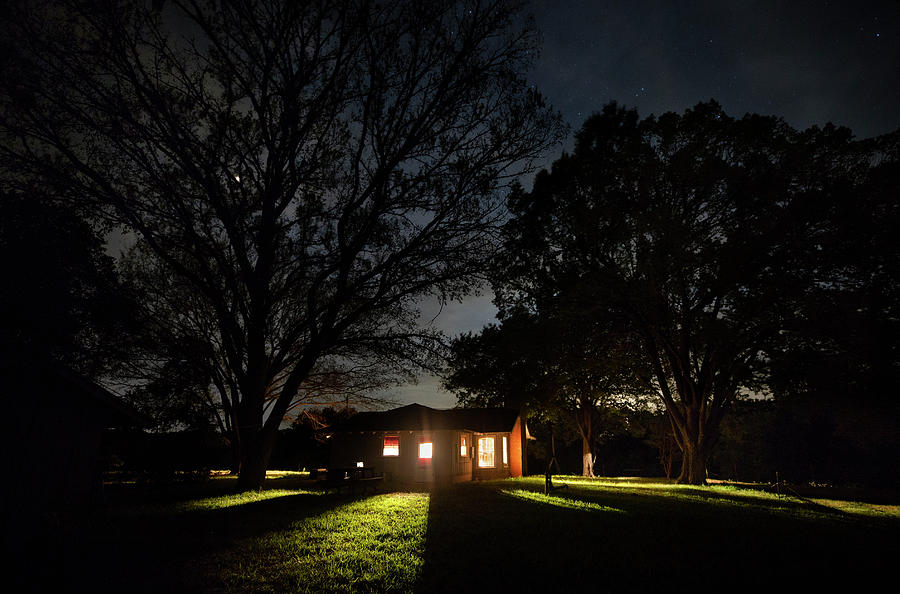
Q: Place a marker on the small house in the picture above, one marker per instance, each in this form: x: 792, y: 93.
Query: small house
x: 418, y: 444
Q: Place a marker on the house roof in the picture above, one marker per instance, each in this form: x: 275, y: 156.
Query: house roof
x: 415, y: 417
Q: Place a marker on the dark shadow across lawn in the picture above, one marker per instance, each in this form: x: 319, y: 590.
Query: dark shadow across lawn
x: 507, y: 536
x: 155, y: 547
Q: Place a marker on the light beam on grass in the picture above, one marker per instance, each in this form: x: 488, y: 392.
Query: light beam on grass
x: 659, y: 486
x: 224, y: 501
x: 373, y: 544
x: 564, y: 502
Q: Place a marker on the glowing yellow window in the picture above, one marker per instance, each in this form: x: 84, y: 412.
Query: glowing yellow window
x: 391, y: 445
x: 505, y: 452
x: 463, y: 450
x: 424, y: 450
x: 485, y: 452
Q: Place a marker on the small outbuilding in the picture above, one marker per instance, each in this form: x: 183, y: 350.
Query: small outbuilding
x: 52, y: 431
x: 418, y: 444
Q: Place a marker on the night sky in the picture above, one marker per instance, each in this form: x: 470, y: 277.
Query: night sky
x: 808, y: 62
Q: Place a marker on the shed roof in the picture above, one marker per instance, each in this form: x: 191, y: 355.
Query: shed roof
x: 415, y: 417
x: 120, y: 412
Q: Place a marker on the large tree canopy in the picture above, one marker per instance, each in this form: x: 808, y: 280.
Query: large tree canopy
x: 306, y: 170
x: 704, y: 235
x: 549, y: 367
x: 180, y: 380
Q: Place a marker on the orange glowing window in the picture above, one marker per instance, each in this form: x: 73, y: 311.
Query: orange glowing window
x: 391, y: 445
x: 505, y: 452
x: 424, y: 450
x: 463, y: 450
x: 485, y: 452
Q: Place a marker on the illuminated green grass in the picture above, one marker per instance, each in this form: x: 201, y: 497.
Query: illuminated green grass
x: 603, y: 535
x: 636, y: 535
x: 223, y: 501
x: 375, y: 545
x: 558, y: 501
x: 717, y: 495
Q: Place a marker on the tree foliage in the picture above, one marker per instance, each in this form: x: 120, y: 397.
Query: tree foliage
x: 700, y: 233
x: 547, y: 367
x: 845, y: 340
x: 180, y: 380
x: 305, y: 170
x: 60, y: 297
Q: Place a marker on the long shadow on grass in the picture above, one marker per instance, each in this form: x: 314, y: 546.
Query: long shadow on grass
x: 156, y: 551
x: 163, y: 493
x: 507, y: 536
x: 791, y: 503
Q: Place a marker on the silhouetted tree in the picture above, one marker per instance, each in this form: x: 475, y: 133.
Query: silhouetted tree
x: 184, y: 382
x: 307, y: 170
x: 846, y: 343
x: 304, y: 444
x: 700, y: 233
x: 544, y: 365
x: 60, y: 295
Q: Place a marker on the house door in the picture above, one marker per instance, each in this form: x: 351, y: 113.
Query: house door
x: 424, y: 458
x: 464, y: 455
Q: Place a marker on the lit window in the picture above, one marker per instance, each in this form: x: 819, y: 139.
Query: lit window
x: 505, y: 453
x: 486, y: 452
x: 360, y: 465
x: 462, y: 446
x: 424, y: 450
x: 392, y: 445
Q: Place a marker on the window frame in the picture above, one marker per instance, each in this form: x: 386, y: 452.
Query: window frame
x: 384, y: 453
x: 421, y: 441
x: 482, y: 451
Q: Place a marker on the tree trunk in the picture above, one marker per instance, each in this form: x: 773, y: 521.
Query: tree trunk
x: 693, y: 464
x: 584, y: 420
x: 257, y: 433
x: 587, y: 458
x: 667, y: 454
x: 235, y: 443
x: 256, y: 449
x: 255, y: 445
x: 695, y: 433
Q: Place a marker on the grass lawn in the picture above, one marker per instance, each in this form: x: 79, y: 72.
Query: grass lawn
x: 596, y: 535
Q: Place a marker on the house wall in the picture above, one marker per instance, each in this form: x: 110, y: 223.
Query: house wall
x: 348, y: 448
x: 499, y: 470
x: 446, y: 465
x: 516, y: 443
x: 517, y: 453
